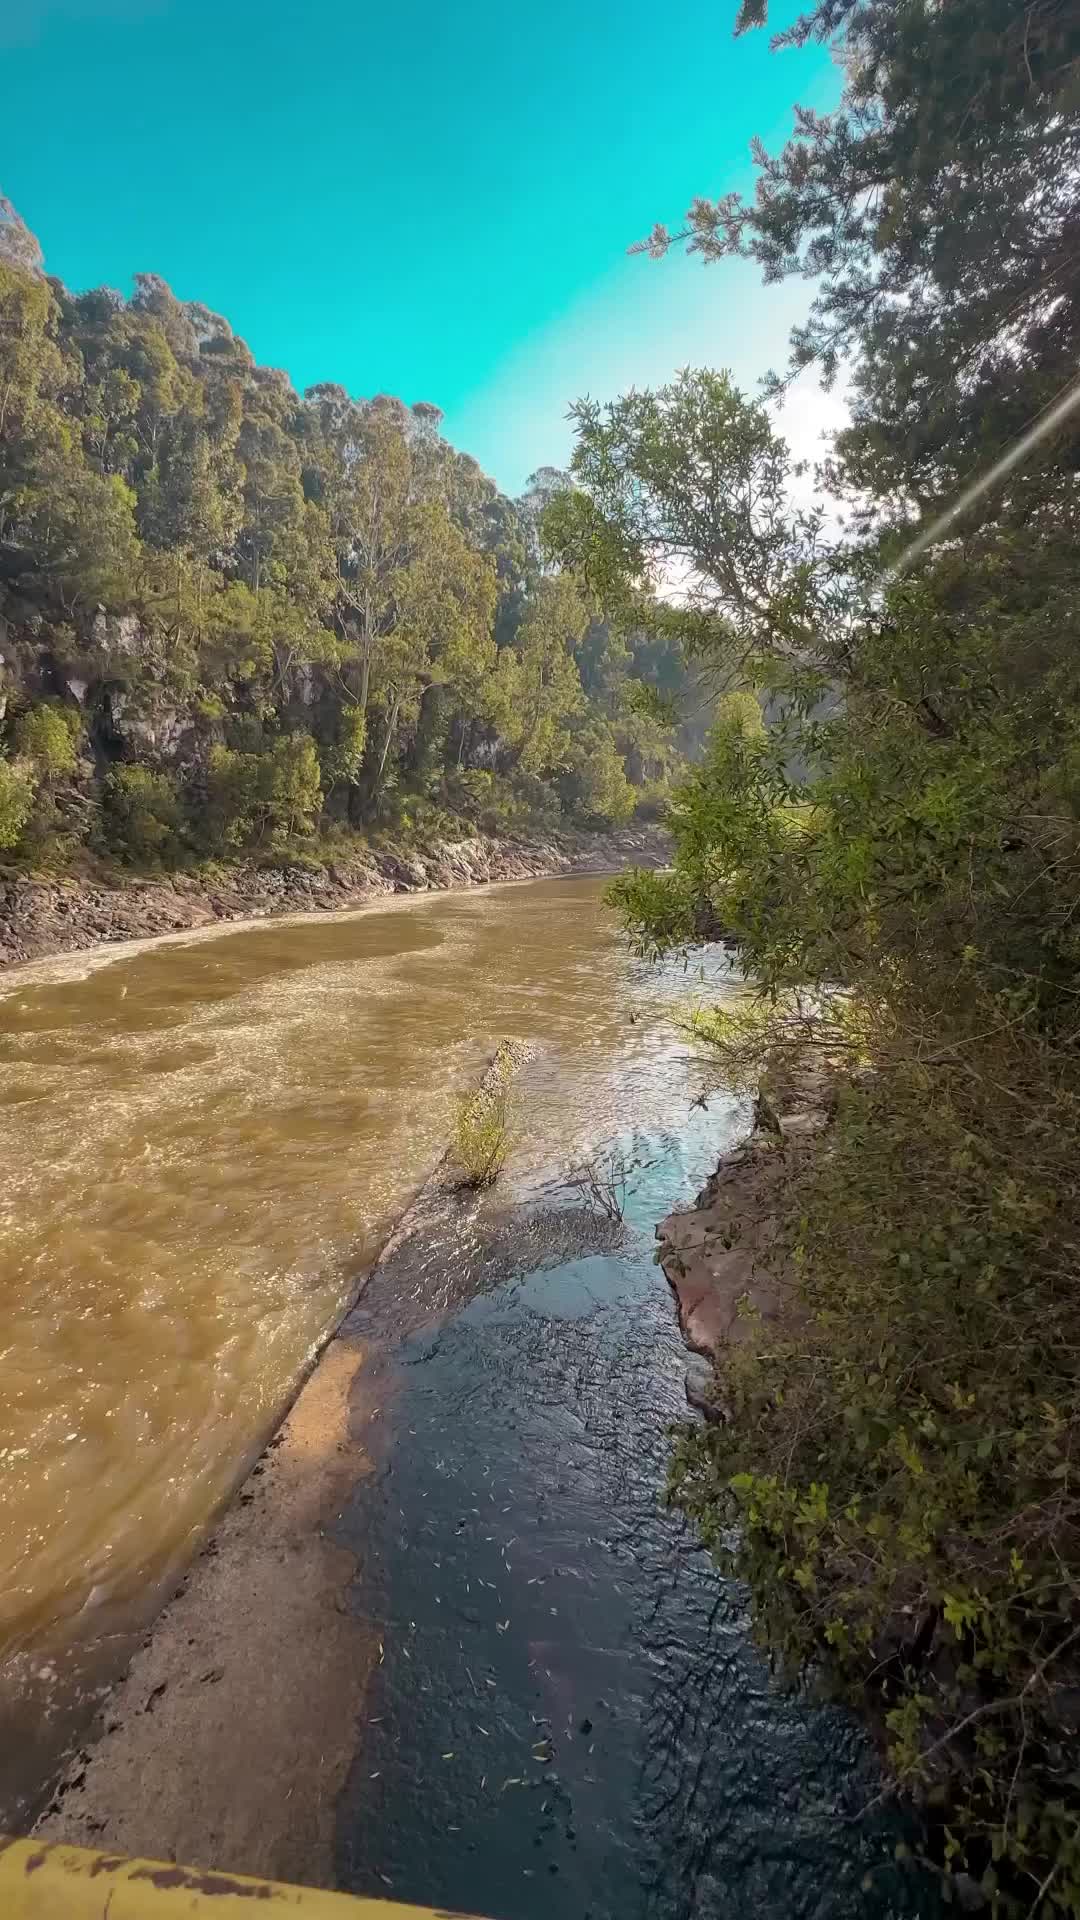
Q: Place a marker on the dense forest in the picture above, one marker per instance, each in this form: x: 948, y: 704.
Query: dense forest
x: 897, y: 855
x: 234, y: 620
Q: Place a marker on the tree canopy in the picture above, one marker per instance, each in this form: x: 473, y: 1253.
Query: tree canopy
x: 237, y: 618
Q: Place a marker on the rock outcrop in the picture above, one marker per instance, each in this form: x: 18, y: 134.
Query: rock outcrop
x: 719, y: 1255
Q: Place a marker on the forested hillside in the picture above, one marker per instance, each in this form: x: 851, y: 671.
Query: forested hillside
x: 234, y: 619
x: 898, y: 857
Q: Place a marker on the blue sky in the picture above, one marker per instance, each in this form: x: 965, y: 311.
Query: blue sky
x: 427, y: 199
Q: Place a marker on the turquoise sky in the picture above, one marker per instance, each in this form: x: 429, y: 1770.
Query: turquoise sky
x: 430, y: 200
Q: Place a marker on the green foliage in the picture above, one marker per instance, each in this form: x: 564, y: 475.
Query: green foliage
x: 143, y: 816
x: 224, y: 563
x: 925, y: 864
x: 289, y: 789
x: 931, y: 210
x: 481, y: 1136
x: 265, y: 799
x: 16, y: 801
x: 644, y: 517
x: 887, y: 823
x: 595, y: 787
x: 537, y: 689
x: 230, y: 811
x: 896, y: 1478
x: 48, y: 736
x: 342, y: 759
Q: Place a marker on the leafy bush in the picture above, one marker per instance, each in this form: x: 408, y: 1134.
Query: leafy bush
x: 896, y: 1479
x: 261, y: 799
x: 481, y: 1137
x: 594, y: 787
x: 16, y: 801
x: 289, y: 786
x: 48, y: 736
x: 342, y: 758
x: 228, y: 815
x: 651, y: 801
x: 142, y: 815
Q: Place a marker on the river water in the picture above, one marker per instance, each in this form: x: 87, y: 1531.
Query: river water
x: 205, y: 1142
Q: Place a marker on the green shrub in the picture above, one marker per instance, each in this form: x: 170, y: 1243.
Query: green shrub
x: 290, y: 789
x: 228, y: 817
x: 48, y: 736
x: 897, y: 1478
x: 17, y: 787
x: 595, y: 788
x: 481, y: 1136
x: 142, y: 815
x: 653, y: 800
x: 342, y: 758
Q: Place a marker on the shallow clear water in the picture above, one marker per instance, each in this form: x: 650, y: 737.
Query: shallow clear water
x: 568, y: 1715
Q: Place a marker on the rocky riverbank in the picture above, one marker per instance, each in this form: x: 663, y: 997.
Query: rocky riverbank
x: 718, y: 1255
x: 40, y: 916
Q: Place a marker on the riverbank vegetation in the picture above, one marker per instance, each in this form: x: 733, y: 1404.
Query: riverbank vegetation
x: 481, y: 1137
x: 482, y: 1134
x: 887, y: 820
x: 235, y: 620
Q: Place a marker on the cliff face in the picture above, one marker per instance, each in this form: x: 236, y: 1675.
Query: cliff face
x: 39, y: 917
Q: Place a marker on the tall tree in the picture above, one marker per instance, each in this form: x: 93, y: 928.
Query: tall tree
x: 901, y: 872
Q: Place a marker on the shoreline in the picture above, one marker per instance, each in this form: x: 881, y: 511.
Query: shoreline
x: 247, y: 1689
x: 714, y: 1253
x: 45, y: 918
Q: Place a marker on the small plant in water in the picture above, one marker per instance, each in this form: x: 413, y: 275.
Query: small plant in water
x: 600, y: 1183
x: 482, y: 1135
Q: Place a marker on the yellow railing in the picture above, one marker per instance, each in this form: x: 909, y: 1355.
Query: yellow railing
x: 40, y: 1881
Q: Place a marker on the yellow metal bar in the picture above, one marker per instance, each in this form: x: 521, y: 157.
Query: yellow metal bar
x: 56, y: 1882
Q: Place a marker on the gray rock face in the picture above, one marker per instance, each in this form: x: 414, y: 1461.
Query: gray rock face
x: 120, y: 633
x: 701, y: 1387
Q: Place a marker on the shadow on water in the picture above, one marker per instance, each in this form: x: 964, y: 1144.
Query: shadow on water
x: 568, y: 1715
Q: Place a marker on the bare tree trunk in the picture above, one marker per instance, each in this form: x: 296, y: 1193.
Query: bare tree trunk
x: 391, y: 726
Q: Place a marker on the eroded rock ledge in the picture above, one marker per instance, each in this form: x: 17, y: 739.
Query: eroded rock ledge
x: 715, y: 1254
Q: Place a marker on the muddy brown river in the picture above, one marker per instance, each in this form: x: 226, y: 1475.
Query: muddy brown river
x: 205, y: 1143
